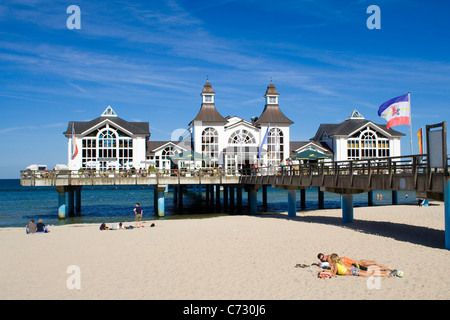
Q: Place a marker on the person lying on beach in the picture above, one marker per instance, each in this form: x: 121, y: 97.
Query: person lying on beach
x: 104, y: 227
x: 361, y: 264
x: 339, y: 268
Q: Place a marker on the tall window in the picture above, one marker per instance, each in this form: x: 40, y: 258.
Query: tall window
x: 239, y: 154
x: 105, y: 146
x: 210, y: 146
x: 165, y: 157
x: 275, y: 146
x: 367, y: 144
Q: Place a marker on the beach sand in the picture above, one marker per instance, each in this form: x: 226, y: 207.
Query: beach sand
x: 231, y: 257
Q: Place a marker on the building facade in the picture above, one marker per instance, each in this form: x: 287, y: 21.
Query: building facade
x: 358, y: 138
x: 106, y: 142
x: 227, y: 142
x: 235, y: 143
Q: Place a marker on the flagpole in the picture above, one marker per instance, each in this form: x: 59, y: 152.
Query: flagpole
x: 410, y: 123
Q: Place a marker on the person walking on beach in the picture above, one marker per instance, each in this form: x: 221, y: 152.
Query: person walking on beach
x: 138, y: 215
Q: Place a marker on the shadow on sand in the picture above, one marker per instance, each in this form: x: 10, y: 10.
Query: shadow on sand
x: 402, y: 232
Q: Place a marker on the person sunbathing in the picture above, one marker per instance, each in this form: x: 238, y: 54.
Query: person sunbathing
x: 340, y: 268
x: 361, y: 264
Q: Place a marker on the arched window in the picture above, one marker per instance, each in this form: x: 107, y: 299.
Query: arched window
x: 240, y: 137
x: 210, y: 146
x: 107, y: 144
x: 367, y: 144
x: 275, y: 146
x: 167, y: 152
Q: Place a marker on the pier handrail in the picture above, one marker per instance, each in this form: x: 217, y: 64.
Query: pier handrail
x: 411, y: 164
x: 89, y: 174
x: 406, y: 165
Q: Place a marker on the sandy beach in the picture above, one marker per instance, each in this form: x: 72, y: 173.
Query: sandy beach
x: 230, y: 257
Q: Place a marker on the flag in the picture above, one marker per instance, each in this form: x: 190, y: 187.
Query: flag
x: 419, y: 134
x: 263, y: 142
x: 396, y: 111
x: 74, y: 148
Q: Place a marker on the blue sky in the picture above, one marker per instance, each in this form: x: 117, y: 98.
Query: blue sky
x: 149, y: 60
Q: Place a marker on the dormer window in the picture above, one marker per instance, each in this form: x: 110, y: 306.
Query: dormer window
x: 109, y: 112
x: 208, y: 99
x: 272, y: 100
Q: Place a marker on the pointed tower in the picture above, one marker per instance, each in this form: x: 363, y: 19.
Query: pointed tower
x: 208, y: 111
x: 272, y: 113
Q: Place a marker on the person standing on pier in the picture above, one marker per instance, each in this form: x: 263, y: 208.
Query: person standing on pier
x: 138, y: 215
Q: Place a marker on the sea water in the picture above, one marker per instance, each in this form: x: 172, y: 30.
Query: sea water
x: 112, y: 204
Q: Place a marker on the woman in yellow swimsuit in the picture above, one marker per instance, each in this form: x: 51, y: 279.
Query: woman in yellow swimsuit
x: 339, y: 268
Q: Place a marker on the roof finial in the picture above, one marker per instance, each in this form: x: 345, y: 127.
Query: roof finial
x: 207, y: 78
x: 270, y: 79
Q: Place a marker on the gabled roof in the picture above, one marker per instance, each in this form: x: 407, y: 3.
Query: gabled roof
x: 349, y: 126
x: 141, y: 128
x: 297, y: 146
x: 154, y: 146
x: 238, y: 123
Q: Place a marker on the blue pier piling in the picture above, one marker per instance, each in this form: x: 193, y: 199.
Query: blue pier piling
x: 160, y: 193
x: 62, y: 208
x: 394, y: 197
x: 78, y: 200
x: 347, y: 208
x: 253, y: 201
x: 447, y: 211
x: 303, y: 198
x: 370, y: 198
x: 292, y: 212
